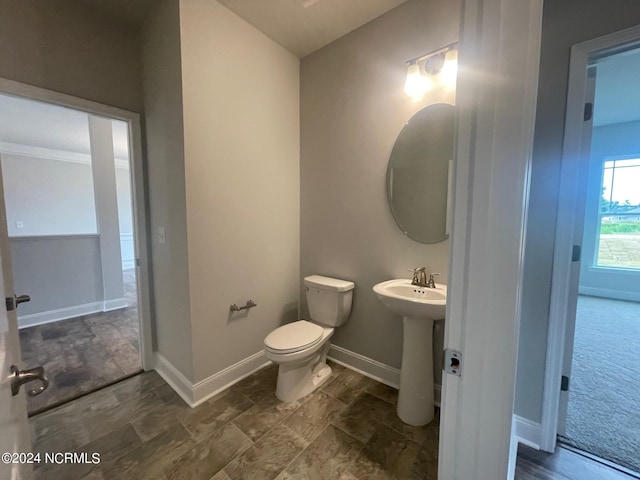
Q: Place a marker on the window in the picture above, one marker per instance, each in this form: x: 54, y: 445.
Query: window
x: 619, y: 215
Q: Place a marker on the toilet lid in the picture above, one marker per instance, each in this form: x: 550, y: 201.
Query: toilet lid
x: 293, y: 337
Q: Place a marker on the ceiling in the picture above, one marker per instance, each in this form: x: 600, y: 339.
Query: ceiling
x: 300, y: 26
x: 59, y: 130
x: 303, y: 26
x: 617, y: 92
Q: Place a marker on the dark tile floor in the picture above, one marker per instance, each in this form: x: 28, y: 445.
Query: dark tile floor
x: 85, y: 353
x: 142, y: 430
x: 347, y: 430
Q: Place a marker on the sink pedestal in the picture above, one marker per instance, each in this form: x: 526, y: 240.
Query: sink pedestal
x: 419, y: 307
x: 415, y: 397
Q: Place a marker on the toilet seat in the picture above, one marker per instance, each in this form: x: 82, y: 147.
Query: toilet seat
x: 293, y: 337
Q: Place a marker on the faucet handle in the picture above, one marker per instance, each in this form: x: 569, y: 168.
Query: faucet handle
x: 431, y: 283
x: 417, y: 269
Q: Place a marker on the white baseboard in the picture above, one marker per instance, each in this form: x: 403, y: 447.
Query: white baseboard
x: 49, y: 316
x: 114, y: 304
x: 128, y: 264
x: 365, y: 365
x: 372, y: 368
x: 609, y: 293
x: 176, y: 380
x: 222, y: 380
x: 527, y: 432
x: 195, y: 394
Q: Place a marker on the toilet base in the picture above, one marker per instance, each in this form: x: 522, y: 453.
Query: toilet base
x: 299, y: 379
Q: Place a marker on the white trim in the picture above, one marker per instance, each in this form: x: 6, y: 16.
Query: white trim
x: 127, y: 250
x: 49, y: 316
x: 54, y: 237
x: 45, y: 153
x: 609, y: 293
x: 176, y: 380
x: 496, y: 98
x: 114, y: 304
x: 603, y: 270
x: 527, y: 432
x: 366, y: 366
x: 373, y: 369
x: 195, y: 394
x: 137, y: 174
x: 566, y: 228
x: 40, y: 318
x: 128, y: 264
x: 222, y: 380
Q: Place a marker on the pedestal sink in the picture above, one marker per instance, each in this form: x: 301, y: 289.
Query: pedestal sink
x: 419, y: 307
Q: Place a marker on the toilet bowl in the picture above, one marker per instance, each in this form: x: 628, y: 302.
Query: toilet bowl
x: 300, y: 348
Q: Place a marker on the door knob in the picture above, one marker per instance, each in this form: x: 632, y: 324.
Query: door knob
x: 19, y: 377
x: 22, y: 299
x: 13, y: 302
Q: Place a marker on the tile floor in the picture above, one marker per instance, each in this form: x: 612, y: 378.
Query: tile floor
x: 85, y: 353
x: 346, y: 430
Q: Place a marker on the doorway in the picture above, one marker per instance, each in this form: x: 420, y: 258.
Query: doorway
x: 72, y: 211
x: 599, y: 405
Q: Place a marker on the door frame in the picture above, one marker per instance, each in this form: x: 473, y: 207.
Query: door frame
x: 496, y: 103
x: 569, y: 224
x: 138, y: 193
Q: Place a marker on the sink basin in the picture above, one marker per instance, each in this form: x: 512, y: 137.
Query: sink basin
x: 402, y: 298
x: 419, y: 307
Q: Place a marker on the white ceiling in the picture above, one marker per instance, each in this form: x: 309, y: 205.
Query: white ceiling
x: 617, y: 89
x: 303, y: 29
x: 300, y: 26
x: 57, y: 129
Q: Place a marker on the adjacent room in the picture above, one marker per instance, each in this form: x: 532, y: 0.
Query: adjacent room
x: 67, y: 192
x: 601, y: 415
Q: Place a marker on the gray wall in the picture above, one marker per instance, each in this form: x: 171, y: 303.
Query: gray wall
x: 165, y: 169
x: 565, y: 22
x: 353, y: 106
x: 64, y: 46
x: 49, y: 197
x: 242, y: 154
x: 57, y: 272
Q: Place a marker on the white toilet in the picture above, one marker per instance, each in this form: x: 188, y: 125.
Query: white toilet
x: 300, y: 348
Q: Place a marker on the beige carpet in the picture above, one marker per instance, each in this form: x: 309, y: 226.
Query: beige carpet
x: 603, y: 417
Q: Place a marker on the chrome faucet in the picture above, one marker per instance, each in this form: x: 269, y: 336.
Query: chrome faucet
x: 419, y: 276
x: 431, y: 282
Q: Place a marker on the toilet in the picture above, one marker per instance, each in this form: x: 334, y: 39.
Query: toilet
x: 300, y: 348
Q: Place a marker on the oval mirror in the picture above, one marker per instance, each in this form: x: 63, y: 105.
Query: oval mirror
x: 418, y: 175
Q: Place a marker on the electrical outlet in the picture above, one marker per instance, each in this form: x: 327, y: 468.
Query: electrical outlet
x: 19, y: 224
x: 162, y: 236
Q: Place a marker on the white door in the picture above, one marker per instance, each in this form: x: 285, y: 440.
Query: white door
x: 496, y: 99
x: 14, y: 431
x: 580, y: 200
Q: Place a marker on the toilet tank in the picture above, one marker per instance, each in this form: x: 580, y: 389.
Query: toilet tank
x: 329, y: 299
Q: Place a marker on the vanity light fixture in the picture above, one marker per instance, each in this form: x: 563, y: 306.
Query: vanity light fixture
x: 439, y: 67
